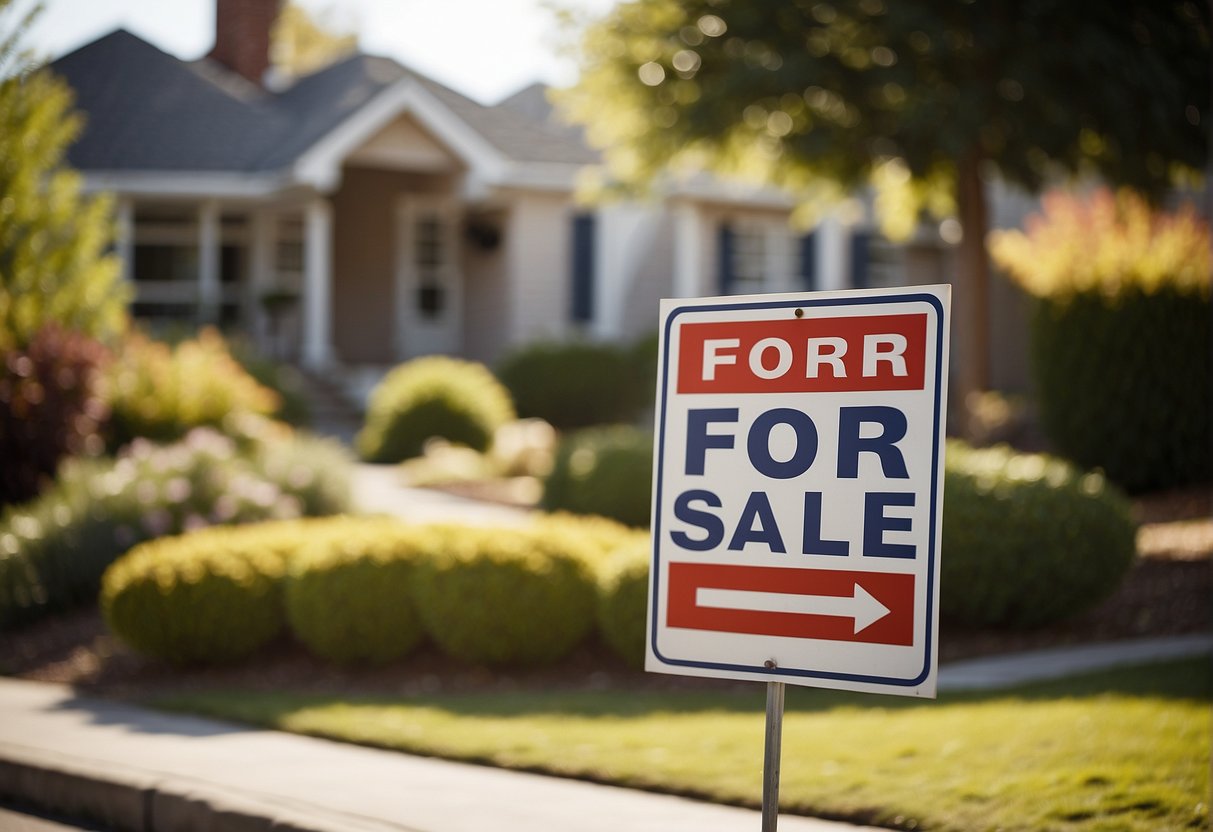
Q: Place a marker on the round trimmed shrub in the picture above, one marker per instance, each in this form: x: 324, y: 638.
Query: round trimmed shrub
x: 623, y: 600
x: 213, y: 595
x: 571, y: 384
x: 605, y: 471
x: 348, y: 597
x: 460, y: 401
x: 1028, y: 539
x: 594, y: 538
x: 504, y: 596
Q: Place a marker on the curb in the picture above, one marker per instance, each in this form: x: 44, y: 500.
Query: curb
x: 128, y: 800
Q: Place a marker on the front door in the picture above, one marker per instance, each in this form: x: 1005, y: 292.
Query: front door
x: 429, y: 285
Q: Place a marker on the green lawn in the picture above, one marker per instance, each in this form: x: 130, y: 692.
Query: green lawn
x: 1124, y: 750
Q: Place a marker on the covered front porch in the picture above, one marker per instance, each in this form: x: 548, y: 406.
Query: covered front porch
x: 366, y: 265
x: 263, y: 269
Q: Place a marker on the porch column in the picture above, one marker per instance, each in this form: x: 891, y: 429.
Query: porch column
x: 317, y: 283
x: 261, y: 274
x: 688, y: 250
x: 832, y: 254
x: 209, y: 287
x: 124, y: 237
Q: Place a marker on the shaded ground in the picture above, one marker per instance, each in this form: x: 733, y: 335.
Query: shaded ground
x: 1168, y: 592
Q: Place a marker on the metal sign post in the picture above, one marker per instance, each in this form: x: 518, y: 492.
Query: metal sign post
x: 771, y: 757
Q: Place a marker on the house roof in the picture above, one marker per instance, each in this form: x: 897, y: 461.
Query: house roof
x: 149, y: 111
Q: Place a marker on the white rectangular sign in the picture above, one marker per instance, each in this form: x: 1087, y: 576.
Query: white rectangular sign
x: 798, y: 488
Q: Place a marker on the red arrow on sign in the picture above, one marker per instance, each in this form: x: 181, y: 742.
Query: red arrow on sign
x: 828, y: 604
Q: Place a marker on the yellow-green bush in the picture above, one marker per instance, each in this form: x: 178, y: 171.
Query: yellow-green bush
x: 572, y: 384
x: 349, y: 596
x: 623, y: 600
x: 460, y: 401
x: 595, y: 538
x: 505, y: 596
x: 1120, y: 334
x: 356, y: 589
x: 605, y: 471
x: 1028, y: 539
x: 208, y: 596
x: 160, y: 392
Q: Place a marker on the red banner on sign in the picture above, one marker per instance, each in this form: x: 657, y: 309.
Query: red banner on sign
x: 828, y: 604
x: 803, y: 355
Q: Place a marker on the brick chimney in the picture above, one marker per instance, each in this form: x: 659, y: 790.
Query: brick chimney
x: 242, y: 36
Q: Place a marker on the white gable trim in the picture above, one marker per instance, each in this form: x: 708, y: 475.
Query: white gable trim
x: 320, y: 165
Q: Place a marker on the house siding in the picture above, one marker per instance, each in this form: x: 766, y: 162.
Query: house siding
x: 538, y: 252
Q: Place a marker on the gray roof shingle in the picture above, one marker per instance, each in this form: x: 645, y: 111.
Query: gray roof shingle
x: 148, y: 111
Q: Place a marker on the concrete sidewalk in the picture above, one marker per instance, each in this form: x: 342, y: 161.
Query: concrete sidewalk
x: 135, y: 769
x: 132, y: 768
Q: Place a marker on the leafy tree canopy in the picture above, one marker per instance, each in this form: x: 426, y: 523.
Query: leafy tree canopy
x: 54, y: 265
x: 903, y: 93
x: 303, y: 43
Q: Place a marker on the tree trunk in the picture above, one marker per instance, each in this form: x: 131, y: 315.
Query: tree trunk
x: 973, y: 267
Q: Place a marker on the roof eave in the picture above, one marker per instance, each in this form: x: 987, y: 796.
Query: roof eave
x: 186, y: 184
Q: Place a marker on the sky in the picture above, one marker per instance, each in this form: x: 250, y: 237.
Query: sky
x: 486, y: 49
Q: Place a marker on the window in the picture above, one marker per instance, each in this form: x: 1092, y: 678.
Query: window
x: 764, y: 255
x: 582, y: 268
x: 875, y: 262
x: 429, y: 259
x: 165, y: 262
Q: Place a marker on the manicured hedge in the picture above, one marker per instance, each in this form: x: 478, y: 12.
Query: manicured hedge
x: 437, y: 396
x: 1028, y: 539
x: 349, y: 595
x: 572, y: 384
x: 505, y: 596
x: 605, y: 471
x: 623, y: 599
x: 366, y: 589
x: 211, y: 596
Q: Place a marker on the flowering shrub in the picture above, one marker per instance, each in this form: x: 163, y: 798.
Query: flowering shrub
x: 1120, y: 334
x: 161, y: 392
x: 1107, y: 242
x: 52, y: 553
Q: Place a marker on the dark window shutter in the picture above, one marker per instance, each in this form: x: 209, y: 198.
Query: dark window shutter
x: 725, y: 252
x: 808, y: 261
x: 582, y: 295
x: 859, y: 259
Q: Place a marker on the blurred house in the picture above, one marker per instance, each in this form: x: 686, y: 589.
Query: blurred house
x: 366, y: 214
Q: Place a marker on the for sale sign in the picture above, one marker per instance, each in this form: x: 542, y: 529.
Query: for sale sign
x: 798, y: 488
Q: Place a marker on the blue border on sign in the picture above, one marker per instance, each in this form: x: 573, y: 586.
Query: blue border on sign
x: 934, y: 514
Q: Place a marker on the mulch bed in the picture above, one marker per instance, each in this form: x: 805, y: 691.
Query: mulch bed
x: 1168, y: 592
